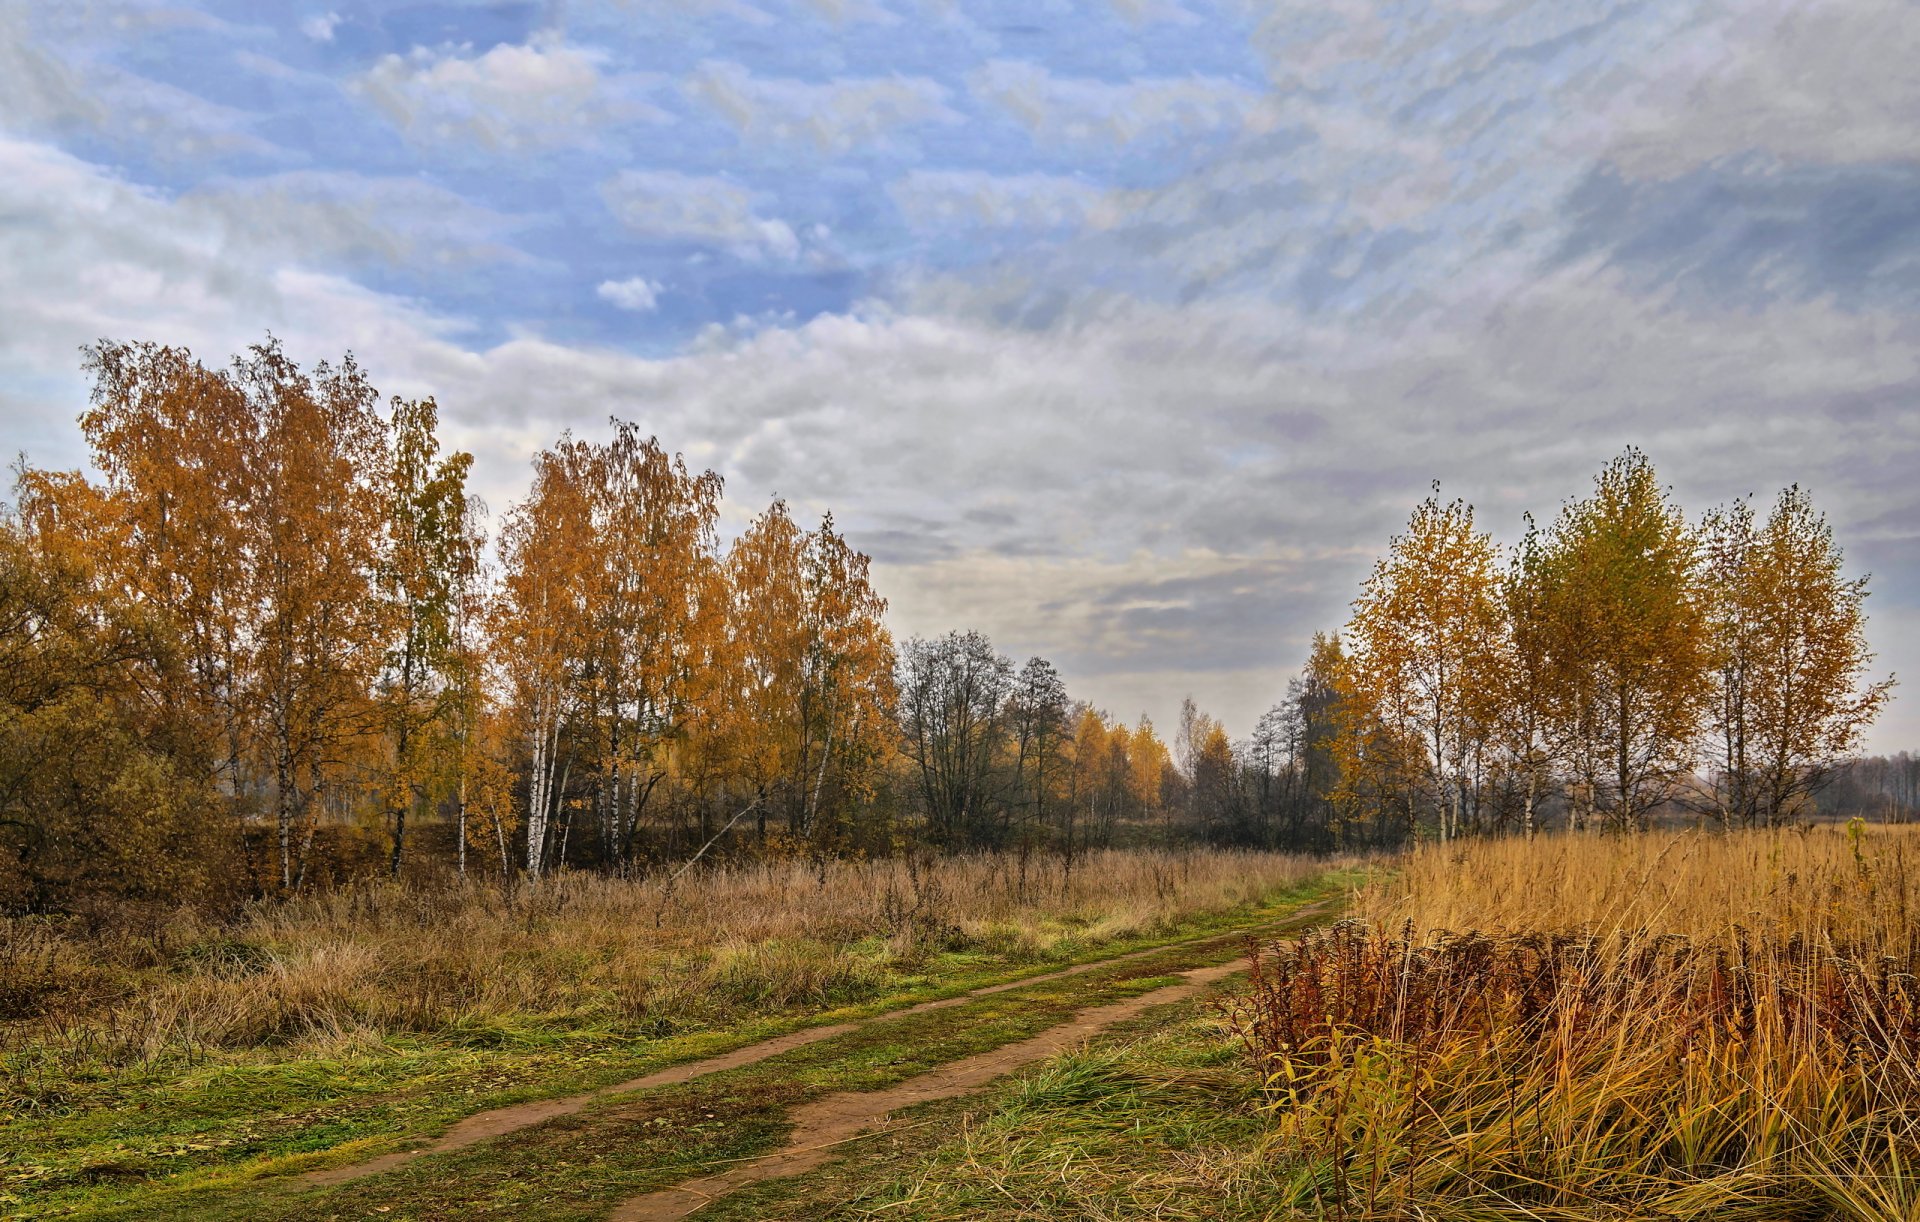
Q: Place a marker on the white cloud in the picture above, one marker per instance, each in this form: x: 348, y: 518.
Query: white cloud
x: 537, y: 94
x: 54, y: 80
x: 635, y: 293
x: 318, y: 217
x: 938, y: 201
x: 832, y: 117
x: 1152, y: 491
x: 669, y: 206
x: 1119, y: 480
x: 1080, y: 110
x: 85, y: 255
x: 320, y: 27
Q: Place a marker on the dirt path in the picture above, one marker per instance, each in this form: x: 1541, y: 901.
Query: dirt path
x: 825, y: 1123
x: 483, y: 1126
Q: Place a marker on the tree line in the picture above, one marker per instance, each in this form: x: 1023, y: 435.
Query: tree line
x: 1619, y: 663
x: 1885, y: 787
x: 271, y: 646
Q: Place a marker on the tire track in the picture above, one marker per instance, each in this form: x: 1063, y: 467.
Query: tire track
x: 502, y: 1121
x: 825, y: 1123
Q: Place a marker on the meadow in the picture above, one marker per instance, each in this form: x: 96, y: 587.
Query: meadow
x: 344, y: 1023
x: 1676, y: 1025
x: 1683, y: 1025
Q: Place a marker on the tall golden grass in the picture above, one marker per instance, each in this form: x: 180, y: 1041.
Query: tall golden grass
x: 1695, y: 1026
x: 652, y: 954
x: 1857, y: 885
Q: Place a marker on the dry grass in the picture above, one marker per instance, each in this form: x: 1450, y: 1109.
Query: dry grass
x: 468, y: 964
x: 1699, y: 1026
x: 1859, y: 887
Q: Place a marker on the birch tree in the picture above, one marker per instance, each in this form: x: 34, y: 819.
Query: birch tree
x: 1789, y: 689
x: 538, y: 623
x: 1426, y: 637
x: 1630, y: 655
x: 428, y: 557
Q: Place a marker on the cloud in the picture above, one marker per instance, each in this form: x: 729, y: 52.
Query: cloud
x: 55, y: 79
x: 664, y: 205
x: 320, y: 27
x: 318, y: 217
x: 539, y: 94
x: 1826, y: 82
x: 939, y: 201
x: 1155, y: 433
x: 1079, y: 110
x: 635, y: 293
x: 833, y: 117
x: 87, y: 255
x: 1173, y: 491
x: 1755, y: 231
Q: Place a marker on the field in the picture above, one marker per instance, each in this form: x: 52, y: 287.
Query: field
x: 1675, y: 1025
x: 175, y: 1067
x: 1580, y: 1027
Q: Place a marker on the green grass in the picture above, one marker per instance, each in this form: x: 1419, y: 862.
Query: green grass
x: 1155, y: 1119
x: 211, y: 1138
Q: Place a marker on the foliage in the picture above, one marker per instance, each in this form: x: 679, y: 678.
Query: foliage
x: 1619, y: 649
x: 94, y: 802
x: 1427, y: 648
x: 1789, y: 635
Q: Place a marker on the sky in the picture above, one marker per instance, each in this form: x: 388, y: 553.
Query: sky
x: 1127, y: 331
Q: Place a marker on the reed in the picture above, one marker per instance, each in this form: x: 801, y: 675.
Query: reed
x: 1703, y: 1026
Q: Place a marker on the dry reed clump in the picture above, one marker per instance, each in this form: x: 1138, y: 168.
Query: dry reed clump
x: 1748, y: 1049
x: 353, y: 967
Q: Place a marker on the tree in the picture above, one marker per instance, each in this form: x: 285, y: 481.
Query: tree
x: 430, y: 556
x: 814, y: 688
x: 176, y: 443
x: 1789, y: 697
x: 1526, y: 721
x: 653, y: 610
x: 1426, y: 633
x: 1037, y: 725
x: 952, y: 691
x: 1315, y: 716
x: 1630, y: 650
x: 322, y: 633
x: 848, y: 695
x: 1091, y: 791
x: 538, y: 623
x: 766, y: 726
x: 94, y: 803
x: 252, y: 507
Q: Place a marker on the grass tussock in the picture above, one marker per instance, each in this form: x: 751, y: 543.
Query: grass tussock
x: 1700, y: 1026
x: 350, y: 969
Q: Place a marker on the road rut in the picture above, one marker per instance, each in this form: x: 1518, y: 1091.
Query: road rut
x: 499, y: 1122
x: 825, y: 1123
